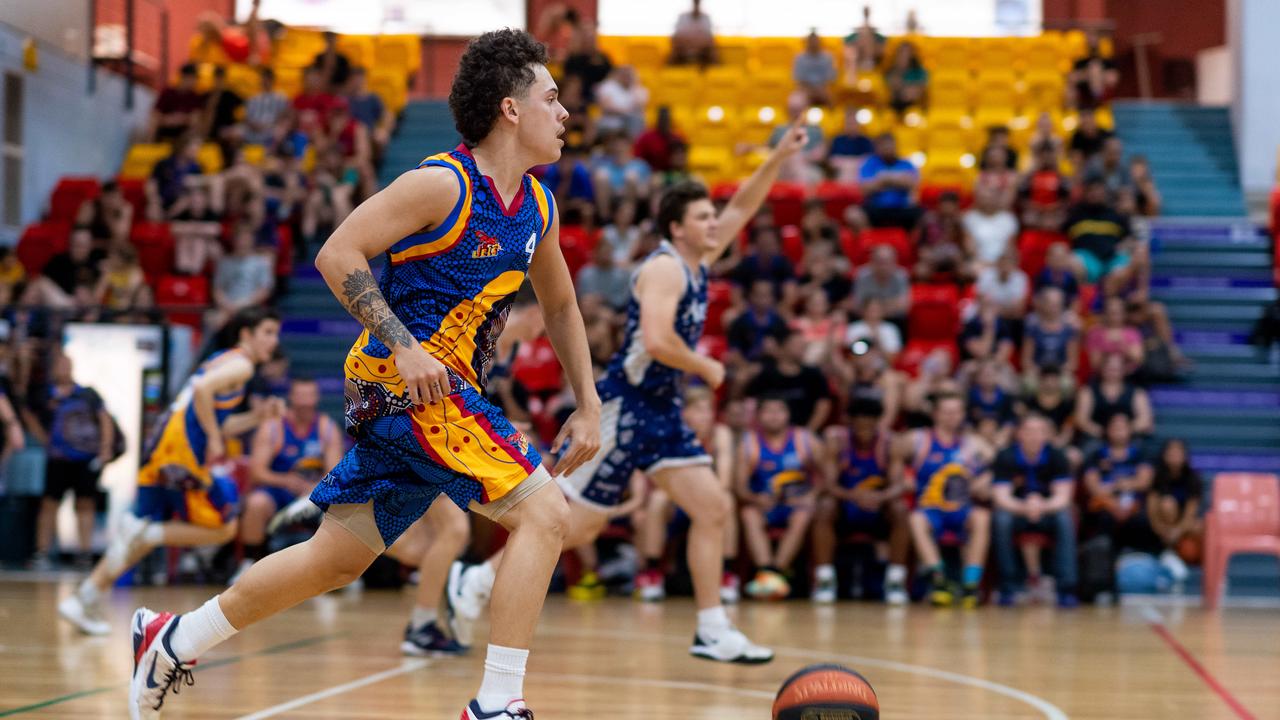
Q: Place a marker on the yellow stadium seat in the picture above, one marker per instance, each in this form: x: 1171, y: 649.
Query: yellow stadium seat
x: 947, y: 137
x: 910, y: 140
x: 204, y: 77
x: 756, y: 122
x: 949, y: 93
x: 947, y: 171
x: 998, y: 98
x: 142, y: 157
x: 254, y: 154
x: 1076, y: 45
x: 302, y: 40
x: 867, y: 90
x: 289, y: 81
x: 995, y: 54
x: 210, y: 158
x: 614, y: 46
x: 358, y: 49
x: 650, y: 52
x: 712, y: 162
x: 1045, y: 53
x: 723, y: 86
x: 770, y: 88
x: 1106, y: 120
x: 713, y: 125
x: 734, y: 53
x: 244, y: 80
x: 1044, y: 90
x: 677, y: 86
x: 949, y: 54
x: 391, y: 86
x: 774, y: 55
x: 399, y: 51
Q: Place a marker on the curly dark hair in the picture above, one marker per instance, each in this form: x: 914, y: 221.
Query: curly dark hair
x: 675, y: 200
x: 495, y: 65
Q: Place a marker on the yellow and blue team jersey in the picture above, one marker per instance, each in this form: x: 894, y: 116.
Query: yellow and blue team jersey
x: 943, y: 475
x: 174, y: 479
x: 861, y: 469
x: 456, y: 304
x: 300, y: 453
x: 781, y: 471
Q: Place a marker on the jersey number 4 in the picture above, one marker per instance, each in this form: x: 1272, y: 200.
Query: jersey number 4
x: 530, y: 246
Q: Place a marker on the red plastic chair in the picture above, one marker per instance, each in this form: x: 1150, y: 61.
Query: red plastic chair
x: 154, y: 242
x: 722, y: 191
x: 135, y: 193
x: 69, y: 194
x: 836, y: 197
x: 1033, y: 246
x: 40, y: 242
x: 1245, y: 518
x: 792, y: 244
x: 930, y: 194
x: 896, y: 237
x: 787, y: 201
x: 935, y: 313
x: 183, y: 298
x: 850, y: 245
x: 915, y: 351
x: 719, y: 298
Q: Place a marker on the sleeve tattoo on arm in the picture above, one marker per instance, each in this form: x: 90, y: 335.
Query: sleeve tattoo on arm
x: 363, y: 299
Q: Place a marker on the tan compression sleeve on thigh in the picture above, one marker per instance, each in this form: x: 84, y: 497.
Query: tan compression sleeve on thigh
x: 497, y: 508
x: 358, y: 520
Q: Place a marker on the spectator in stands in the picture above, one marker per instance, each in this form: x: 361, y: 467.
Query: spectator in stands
x: 558, y: 28
x: 222, y: 113
x: 906, y: 78
x: 369, y: 110
x: 1006, y: 285
x: 764, y: 261
x: 802, y: 386
x: 874, y: 328
x: 196, y: 227
x: 1173, y: 506
x: 1045, y: 132
x: 813, y: 71
x: 1060, y: 272
x: 334, y: 67
x: 587, y: 62
x: 987, y: 335
x: 332, y: 197
x: 603, y: 276
x: 13, y: 276
x: 991, y: 226
x: 656, y: 145
x: 109, y: 216
x: 827, y: 271
x: 350, y: 139
x: 803, y: 167
x: 312, y: 106
x: 244, y: 278
x: 266, y: 114
x: 1144, y: 199
x: 863, y: 373
x: 1162, y: 359
x: 820, y: 326
x: 1110, y: 165
x: 998, y: 138
x: 622, y: 235
x: 995, y: 176
x: 889, y: 185
x: 178, y: 108
x: 122, y: 289
x: 1109, y: 395
x: 1087, y: 141
x: 219, y: 42
x: 1114, y: 335
x: 943, y: 249
x: 989, y: 407
x: 69, y: 278
x: 849, y: 149
x: 569, y: 179
x: 756, y: 333
x: 171, y: 177
x: 1116, y: 478
x: 623, y: 101
x: 618, y: 173
x: 1093, y: 77
x: 1101, y: 238
x: 693, y: 40
x: 1049, y: 340
x: 1048, y: 397
x: 864, y: 47
x: 882, y: 279
x: 72, y: 424
x: 1032, y: 491
x: 1044, y: 190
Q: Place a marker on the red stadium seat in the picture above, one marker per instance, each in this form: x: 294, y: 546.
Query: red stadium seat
x: 935, y: 313
x: 792, y: 244
x: 183, y: 298
x: 135, y: 192
x: 69, y: 194
x: 787, y: 201
x: 916, y: 351
x: 714, y: 346
x: 896, y: 237
x: 577, y: 244
x: 284, y: 251
x: 719, y: 297
x: 850, y: 245
x: 836, y: 197
x: 929, y: 195
x: 154, y: 242
x: 1033, y: 246
x: 722, y: 191
x: 41, y: 241
x: 536, y: 367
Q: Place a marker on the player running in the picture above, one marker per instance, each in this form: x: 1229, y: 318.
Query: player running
x: 459, y: 234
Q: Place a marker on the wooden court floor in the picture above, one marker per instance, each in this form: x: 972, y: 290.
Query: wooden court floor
x: 338, y: 657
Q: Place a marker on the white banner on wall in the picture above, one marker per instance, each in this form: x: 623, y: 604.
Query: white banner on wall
x: 422, y: 17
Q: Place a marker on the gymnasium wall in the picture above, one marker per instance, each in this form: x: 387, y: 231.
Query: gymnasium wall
x: 65, y: 129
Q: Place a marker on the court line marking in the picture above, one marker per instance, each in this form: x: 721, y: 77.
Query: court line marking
x: 274, y: 649
x: 1156, y: 623
x: 1048, y: 709
x: 405, y: 668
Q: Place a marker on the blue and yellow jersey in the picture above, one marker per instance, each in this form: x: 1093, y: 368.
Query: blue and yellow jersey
x: 300, y: 452
x: 452, y: 286
x: 943, y: 474
x: 177, y: 446
x: 781, y: 471
x: 864, y: 469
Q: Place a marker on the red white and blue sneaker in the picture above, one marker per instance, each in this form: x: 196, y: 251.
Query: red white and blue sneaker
x: 515, y: 710
x: 429, y: 640
x: 731, y: 647
x: 156, y: 670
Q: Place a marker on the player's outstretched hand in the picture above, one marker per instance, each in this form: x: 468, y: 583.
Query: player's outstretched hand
x: 581, y: 435
x: 425, y: 379
x: 794, y: 141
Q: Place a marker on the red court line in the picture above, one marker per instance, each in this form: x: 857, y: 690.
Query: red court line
x: 1236, y: 706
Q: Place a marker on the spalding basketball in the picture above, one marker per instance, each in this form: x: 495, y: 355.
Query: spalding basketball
x: 826, y: 692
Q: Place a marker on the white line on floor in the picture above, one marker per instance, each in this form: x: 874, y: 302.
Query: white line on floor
x: 405, y: 668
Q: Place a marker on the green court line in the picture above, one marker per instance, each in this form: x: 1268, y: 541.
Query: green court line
x: 273, y: 650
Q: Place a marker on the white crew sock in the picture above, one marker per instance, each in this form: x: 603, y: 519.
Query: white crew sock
x: 503, y: 678
x: 823, y: 573
x: 896, y: 575
x: 200, y: 630
x: 88, y: 592
x: 423, y: 616
x: 712, y: 622
x: 153, y: 535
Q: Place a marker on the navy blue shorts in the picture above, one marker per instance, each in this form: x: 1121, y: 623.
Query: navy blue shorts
x: 855, y: 519
x: 278, y: 495
x: 208, y: 507
x: 948, y: 521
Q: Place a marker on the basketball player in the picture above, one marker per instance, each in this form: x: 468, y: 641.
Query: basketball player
x: 858, y: 499
x: 951, y: 466
x: 460, y: 233
x: 179, y: 503
x: 288, y: 457
x: 641, y: 388
x: 776, y: 467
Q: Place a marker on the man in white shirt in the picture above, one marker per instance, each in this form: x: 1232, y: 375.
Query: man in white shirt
x: 993, y: 230
x: 622, y: 101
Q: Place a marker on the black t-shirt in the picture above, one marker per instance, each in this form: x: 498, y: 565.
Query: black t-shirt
x: 973, y: 329
x: 1058, y: 414
x: 69, y: 274
x: 747, y: 332
x: 1028, y: 475
x: 1090, y: 145
x: 1186, y: 486
x: 224, y: 111
x: 1097, y: 229
x: 801, y: 391
x: 777, y: 270
x: 593, y: 68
